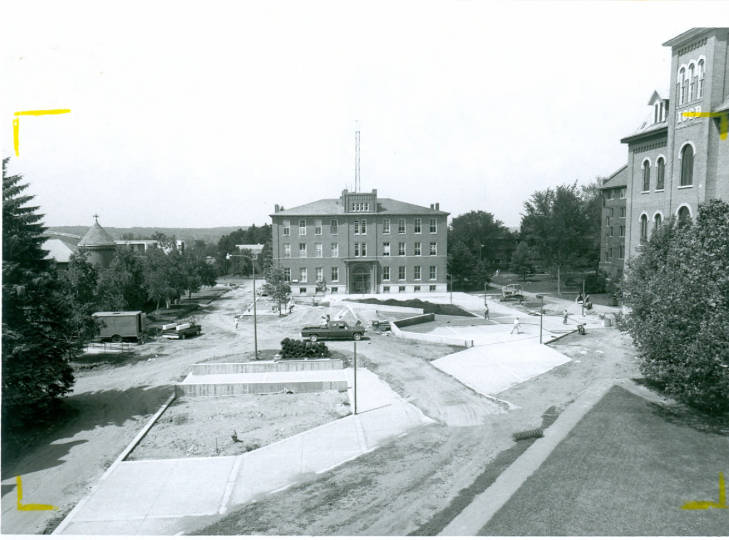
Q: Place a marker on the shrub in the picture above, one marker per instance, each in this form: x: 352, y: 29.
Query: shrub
x: 296, y: 348
x: 678, y: 289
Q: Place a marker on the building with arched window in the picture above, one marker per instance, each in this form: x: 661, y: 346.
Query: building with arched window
x: 690, y: 160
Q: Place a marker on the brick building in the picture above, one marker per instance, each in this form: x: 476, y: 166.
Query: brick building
x: 612, y: 237
x: 360, y: 243
x: 677, y: 161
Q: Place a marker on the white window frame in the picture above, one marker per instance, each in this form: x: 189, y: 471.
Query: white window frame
x: 418, y: 226
x: 401, y: 226
x: 334, y: 227
x: 433, y: 272
x: 302, y: 228
x: 318, y: 249
x: 386, y: 273
x: 363, y: 249
x: 303, y: 275
x: 363, y: 227
x: 334, y: 274
x: 386, y: 226
x: 319, y: 272
x: 401, y: 249
x: 286, y: 226
x: 417, y: 249
x: 304, y: 251
x: 287, y: 251
x: 402, y: 271
x: 433, y: 226
x: 417, y: 275
x: 355, y: 226
x: 433, y: 249
x: 318, y: 227
x: 386, y: 249
x: 287, y: 274
x: 356, y: 249
x: 334, y: 249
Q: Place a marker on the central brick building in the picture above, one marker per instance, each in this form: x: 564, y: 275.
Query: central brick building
x: 360, y: 243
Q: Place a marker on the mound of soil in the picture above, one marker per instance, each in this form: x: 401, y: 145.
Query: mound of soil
x: 427, y: 307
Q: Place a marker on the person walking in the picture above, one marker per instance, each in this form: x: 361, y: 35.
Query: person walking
x: 486, y: 311
x: 236, y: 322
x: 515, y: 327
x: 564, y: 316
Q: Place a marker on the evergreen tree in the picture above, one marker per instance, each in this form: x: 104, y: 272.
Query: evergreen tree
x: 38, y: 334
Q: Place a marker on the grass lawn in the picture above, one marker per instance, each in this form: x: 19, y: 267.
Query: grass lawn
x: 625, y: 469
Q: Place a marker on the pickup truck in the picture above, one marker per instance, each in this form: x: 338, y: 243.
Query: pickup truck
x: 333, y: 330
x: 180, y: 331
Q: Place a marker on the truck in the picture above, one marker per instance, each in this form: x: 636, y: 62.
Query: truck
x: 333, y: 330
x: 512, y: 291
x: 117, y: 326
x: 181, y: 330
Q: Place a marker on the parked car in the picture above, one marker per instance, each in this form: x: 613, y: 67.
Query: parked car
x: 333, y: 330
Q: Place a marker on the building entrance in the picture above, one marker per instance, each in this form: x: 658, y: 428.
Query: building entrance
x: 361, y: 279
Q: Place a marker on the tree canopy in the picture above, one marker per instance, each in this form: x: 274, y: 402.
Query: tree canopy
x: 678, y: 291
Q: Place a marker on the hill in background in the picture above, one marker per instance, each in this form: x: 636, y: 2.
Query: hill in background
x: 211, y: 235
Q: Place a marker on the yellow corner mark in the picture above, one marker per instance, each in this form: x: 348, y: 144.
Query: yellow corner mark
x: 723, y: 120
x: 29, y: 507
x: 705, y: 505
x: 39, y: 112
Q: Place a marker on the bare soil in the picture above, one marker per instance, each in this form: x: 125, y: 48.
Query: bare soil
x: 204, y: 426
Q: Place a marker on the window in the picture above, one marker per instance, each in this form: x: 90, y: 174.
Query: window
x: 386, y: 249
x: 621, y: 230
x: 386, y: 226
x: 356, y: 226
x: 302, y: 275
x: 610, y: 253
x: 386, y: 288
x: 318, y: 250
x: 687, y: 165
x: 657, y: 220
x: 416, y: 272
x: 333, y: 226
x: 319, y: 274
x: 287, y: 251
x: 334, y: 250
x: 643, y: 229
x: 684, y: 216
x: 416, y: 288
x: 364, y: 226
x: 401, y: 272
x: 622, y: 211
x: 682, y: 85
x: 610, y: 233
x: 433, y: 225
x: 335, y: 273
x: 418, y: 225
x: 401, y: 248
x: 356, y: 249
x: 700, y: 92
x: 646, y: 175
x: 364, y: 250
x: 401, y: 288
x: 434, y: 248
x: 302, y: 227
x: 621, y: 193
x: 335, y: 290
x: 433, y: 272
x: 360, y: 207
x: 287, y: 274
x: 317, y: 227
x: 660, y: 173
x: 621, y: 251
x: 431, y: 288
x: 302, y: 249
x: 417, y: 248
x: 401, y: 226
x: 302, y: 290
x: 286, y: 227
x: 386, y: 273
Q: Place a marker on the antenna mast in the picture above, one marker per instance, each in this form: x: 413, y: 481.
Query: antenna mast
x: 356, y: 159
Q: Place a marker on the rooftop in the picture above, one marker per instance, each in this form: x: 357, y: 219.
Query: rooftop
x: 96, y: 236
x: 618, y: 179
x: 327, y: 207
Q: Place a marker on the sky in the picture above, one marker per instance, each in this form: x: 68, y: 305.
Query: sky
x: 208, y: 113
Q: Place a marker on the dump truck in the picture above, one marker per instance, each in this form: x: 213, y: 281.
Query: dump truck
x: 120, y: 326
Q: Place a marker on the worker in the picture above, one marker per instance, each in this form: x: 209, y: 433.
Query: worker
x: 516, y: 326
x: 323, y: 323
x: 564, y: 316
x: 486, y: 311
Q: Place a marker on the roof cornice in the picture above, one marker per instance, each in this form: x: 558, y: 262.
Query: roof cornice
x: 688, y: 35
x: 662, y: 127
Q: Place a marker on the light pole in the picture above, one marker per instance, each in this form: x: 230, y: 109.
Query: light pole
x: 255, y: 321
x: 541, y: 312
x: 355, y: 377
x: 583, y: 298
x: 450, y: 276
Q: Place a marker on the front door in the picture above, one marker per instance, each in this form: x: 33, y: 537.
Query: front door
x: 361, y: 281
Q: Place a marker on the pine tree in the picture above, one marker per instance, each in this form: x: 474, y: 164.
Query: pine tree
x: 38, y: 334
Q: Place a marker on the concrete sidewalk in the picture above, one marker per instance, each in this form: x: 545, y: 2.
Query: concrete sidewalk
x: 162, y: 496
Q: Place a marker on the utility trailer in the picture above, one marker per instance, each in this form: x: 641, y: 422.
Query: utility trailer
x: 117, y: 326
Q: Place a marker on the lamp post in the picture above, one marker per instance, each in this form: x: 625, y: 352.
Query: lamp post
x: 355, y: 377
x: 450, y: 277
x: 255, y: 322
x: 541, y: 312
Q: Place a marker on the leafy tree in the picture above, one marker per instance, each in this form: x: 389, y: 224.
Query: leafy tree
x: 161, y: 281
x: 122, y: 284
x: 80, y: 281
x: 277, y: 287
x: 678, y: 291
x: 486, y: 238
x: 561, y: 226
x: 461, y: 263
x: 38, y: 335
x: 521, y: 260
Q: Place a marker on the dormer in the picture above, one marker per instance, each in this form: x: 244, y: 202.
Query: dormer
x: 358, y: 202
x: 660, y: 108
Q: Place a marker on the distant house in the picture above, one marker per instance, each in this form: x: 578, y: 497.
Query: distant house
x: 255, y: 249
x: 138, y: 245
x: 60, y: 246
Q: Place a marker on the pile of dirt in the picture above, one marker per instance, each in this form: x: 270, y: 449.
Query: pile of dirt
x: 228, y: 426
x: 427, y: 307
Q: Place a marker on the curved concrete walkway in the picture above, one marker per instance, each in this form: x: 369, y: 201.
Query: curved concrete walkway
x: 169, y: 496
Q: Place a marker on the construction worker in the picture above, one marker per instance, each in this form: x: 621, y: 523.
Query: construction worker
x: 516, y: 326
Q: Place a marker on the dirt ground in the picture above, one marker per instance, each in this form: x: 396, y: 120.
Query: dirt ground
x: 204, y: 426
x: 393, y: 490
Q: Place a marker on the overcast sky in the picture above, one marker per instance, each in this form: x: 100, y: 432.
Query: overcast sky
x: 208, y: 113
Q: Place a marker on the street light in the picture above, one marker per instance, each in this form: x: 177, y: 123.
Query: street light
x: 255, y: 322
x: 450, y: 276
x: 355, y: 377
x: 541, y: 312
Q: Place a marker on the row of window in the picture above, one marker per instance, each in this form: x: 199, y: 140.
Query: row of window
x: 386, y: 276
x: 401, y: 288
x: 360, y: 249
x: 687, y: 170
x: 683, y: 214
x: 360, y: 226
x: 611, y: 230
x: 690, y: 81
x: 616, y: 193
x: 612, y: 252
x: 610, y: 212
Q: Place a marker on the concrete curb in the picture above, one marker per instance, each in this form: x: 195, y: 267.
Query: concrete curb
x: 121, y: 457
x: 560, y: 337
x: 477, y: 514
